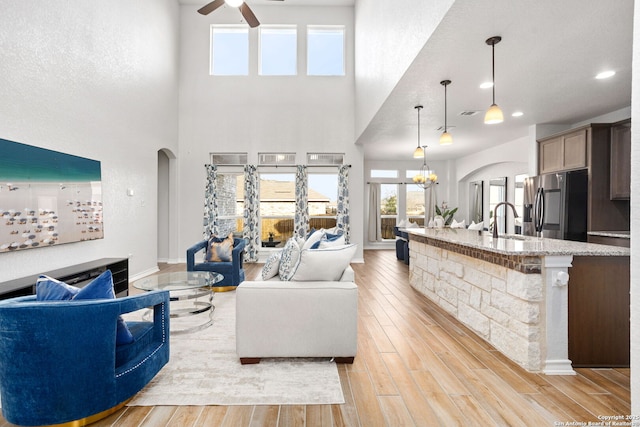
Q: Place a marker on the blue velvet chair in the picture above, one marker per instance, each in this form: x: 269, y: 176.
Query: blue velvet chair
x: 232, y: 271
x: 59, y: 362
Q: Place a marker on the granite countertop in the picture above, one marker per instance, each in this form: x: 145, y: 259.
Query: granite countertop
x: 617, y: 234
x: 518, y: 245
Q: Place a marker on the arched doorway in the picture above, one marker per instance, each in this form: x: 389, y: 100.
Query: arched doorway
x: 167, y: 220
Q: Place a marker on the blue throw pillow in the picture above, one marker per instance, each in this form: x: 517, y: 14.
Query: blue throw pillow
x: 102, y: 288
x: 48, y: 289
x: 327, y: 237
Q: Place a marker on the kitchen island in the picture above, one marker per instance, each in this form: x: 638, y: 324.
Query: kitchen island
x: 512, y: 292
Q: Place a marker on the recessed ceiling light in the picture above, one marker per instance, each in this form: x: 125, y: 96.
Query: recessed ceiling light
x: 605, y: 74
x: 517, y: 114
x: 486, y: 85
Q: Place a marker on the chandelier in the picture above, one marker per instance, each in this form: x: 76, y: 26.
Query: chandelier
x: 426, y: 177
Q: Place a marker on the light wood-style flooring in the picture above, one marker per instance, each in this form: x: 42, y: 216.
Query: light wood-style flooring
x: 416, y: 366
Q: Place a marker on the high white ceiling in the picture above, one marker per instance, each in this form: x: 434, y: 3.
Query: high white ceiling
x: 282, y: 3
x: 545, y: 67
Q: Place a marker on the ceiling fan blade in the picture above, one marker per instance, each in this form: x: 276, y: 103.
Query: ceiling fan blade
x: 249, y: 16
x: 207, y: 9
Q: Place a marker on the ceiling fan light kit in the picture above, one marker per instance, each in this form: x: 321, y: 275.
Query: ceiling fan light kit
x: 244, y: 8
x: 494, y: 114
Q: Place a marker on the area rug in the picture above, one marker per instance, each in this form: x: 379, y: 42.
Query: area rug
x: 205, y: 370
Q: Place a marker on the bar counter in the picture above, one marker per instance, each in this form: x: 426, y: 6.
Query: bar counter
x: 512, y: 292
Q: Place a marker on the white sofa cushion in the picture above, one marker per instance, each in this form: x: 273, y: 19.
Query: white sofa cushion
x: 296, y: 319
x: 323, y: 264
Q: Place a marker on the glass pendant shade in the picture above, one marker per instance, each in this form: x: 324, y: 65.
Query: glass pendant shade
x: 418, y: 153
x: 494, y: 115
x: 446, y: 139
x: 234, y: 3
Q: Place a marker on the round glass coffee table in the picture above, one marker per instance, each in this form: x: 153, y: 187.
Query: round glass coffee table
x: 190, y: 293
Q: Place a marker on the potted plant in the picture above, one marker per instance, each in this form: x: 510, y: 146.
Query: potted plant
x: 446, y: 213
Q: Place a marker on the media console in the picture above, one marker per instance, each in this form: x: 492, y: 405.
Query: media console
x: 77, y: 275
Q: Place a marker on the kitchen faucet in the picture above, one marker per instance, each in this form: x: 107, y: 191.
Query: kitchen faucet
x: 495, y: 224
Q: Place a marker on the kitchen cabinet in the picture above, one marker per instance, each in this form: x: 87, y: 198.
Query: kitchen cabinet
x: 620, y: 174
x: 563, y: 152
x: 588, y: 147
x: 599, y: 310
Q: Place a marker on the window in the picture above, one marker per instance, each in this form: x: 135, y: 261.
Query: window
x: 388, y: 209
x: 277, y: 159
x: 323, y: 200
x: 519, y: 201
x: 230, y: 199
x: 278, y: 51
x: 378, y: 173
x: 325, y: 50
x: 229, y: 50
x: 414, y: 200
x: 277, y: 206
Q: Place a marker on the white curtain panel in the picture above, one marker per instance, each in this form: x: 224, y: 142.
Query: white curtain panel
x: 375, y: 230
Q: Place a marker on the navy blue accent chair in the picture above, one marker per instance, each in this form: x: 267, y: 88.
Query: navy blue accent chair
x: 59, y: 361
x: 232, y: 271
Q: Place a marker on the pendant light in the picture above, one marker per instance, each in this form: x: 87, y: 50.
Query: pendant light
x: 445, y: 138
x: 494, y: 113
x: 419, y: 151
x: 426, y: 177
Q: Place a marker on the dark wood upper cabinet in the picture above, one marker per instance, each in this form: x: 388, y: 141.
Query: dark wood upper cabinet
x: 563, y: 152
x: 620, y: 173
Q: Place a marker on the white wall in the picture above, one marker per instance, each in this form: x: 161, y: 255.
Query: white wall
x: 635, y: 218
x: 96, y: 80
x: 261, y: 114
x: 389, y: 38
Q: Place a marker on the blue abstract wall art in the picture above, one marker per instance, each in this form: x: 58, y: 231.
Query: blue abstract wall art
x: 47, y: 198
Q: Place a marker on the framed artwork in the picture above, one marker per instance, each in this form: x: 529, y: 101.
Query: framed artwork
x: 47, y: 198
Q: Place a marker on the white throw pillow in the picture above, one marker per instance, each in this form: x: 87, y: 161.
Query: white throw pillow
x: 324, y: 264
x: 325, y: 243
x: 289, y: 260
x: 315, y: 237
x: 474, y: 226
x: 271, y: 266
x: 402, y: 223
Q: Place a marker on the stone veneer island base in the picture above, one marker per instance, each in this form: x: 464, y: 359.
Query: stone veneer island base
x: 512, y: 292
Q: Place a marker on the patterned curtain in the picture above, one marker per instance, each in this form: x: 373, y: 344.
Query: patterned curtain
x: 301, y: 218
x: 251, y: 213
x: 342, y: 221
x: 210, y: 220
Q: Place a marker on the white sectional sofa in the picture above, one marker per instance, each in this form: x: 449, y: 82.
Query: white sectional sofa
x: 298, y: 318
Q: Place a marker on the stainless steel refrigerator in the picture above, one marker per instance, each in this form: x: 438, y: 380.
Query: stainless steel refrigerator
x: 555, y: 205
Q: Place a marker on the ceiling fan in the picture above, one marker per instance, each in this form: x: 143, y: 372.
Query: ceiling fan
x: 246, y: 12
